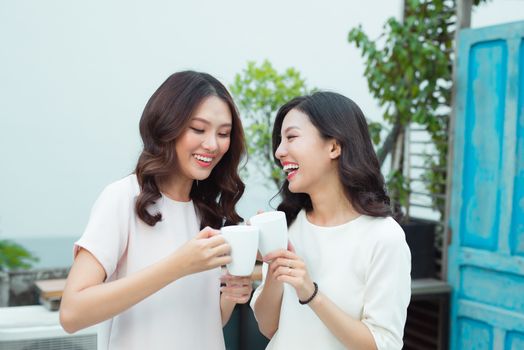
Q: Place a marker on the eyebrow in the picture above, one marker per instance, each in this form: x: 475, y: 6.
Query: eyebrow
x: 290, y: 128
x: 207, y: 121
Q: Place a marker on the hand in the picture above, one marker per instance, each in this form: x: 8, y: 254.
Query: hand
x: 285, y: 266
x: 204, y: 252
x: 238, y: 289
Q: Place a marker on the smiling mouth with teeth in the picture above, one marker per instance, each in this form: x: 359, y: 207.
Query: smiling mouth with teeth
x: 291, y: 169
x: 203, y: 160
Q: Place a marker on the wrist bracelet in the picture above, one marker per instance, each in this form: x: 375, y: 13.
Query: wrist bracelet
x: 311, y: 297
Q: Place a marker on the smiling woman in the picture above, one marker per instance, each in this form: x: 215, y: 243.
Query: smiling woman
x: 187, y: 127
x: 344, y: 281
x: 206, y: 141
x: 153, y: 228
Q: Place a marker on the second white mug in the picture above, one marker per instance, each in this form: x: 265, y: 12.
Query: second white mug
x: 273, y: 231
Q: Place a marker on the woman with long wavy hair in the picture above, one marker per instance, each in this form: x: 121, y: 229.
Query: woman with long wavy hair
x: 344, y: 281
x: 148, y: 264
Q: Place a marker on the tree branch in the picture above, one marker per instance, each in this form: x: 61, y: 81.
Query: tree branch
x: 389, y: 142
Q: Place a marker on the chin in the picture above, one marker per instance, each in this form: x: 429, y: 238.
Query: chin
x: 201, y: 175
x: 293, y: 188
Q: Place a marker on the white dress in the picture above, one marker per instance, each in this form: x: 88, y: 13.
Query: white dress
x: 363, y: 266
x: 183, y: 315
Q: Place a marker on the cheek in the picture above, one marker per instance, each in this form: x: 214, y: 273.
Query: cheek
x: 299, y: 150
x: 224, y: 145
x: 184, y: 141
x: 309, y: 156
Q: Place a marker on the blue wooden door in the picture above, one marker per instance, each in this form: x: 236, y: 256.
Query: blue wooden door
x: 486, y: 255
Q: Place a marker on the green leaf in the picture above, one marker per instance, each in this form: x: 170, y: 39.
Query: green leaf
x: 409, y: 73
x: 259, y: 90
x: 14, y: 256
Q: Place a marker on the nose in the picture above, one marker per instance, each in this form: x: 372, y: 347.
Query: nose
x: 281, y: 151
x: 210, y: 143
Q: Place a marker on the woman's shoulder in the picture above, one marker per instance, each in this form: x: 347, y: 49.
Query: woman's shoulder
x: 125, y: 188
x: 383, y: 229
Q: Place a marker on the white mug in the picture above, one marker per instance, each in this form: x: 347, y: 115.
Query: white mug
x: 273, y: 231
x: 243, y: 240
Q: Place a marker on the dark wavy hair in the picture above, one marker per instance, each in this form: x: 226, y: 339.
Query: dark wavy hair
x: 165, y: 118
x: 339, y: 118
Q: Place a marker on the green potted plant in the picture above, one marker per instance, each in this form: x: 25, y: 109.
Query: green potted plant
x: 409, y: 69
x: 12, y: 257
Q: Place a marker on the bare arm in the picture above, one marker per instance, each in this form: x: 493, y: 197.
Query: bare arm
x: 267, y: 305
x: 351, y: 332
x: 87, y: 300
x: 289, y: 268
x: 226, y: 309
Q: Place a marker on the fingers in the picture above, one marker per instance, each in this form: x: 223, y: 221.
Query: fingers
x: 280, y: 253
x: 238, y: 300
x: 222, y: 249
x: 285, y: 262
x: 236, y: 292
x: 221, y: 260
x: 207, y: 232
x: 215, y: 262
x: 215, y: 249
x: 288, y: 270
x: 237, y: 289
x: 277, y: 263
x: 215, y: 241
x: 236, y: 280
x: 294, y: 281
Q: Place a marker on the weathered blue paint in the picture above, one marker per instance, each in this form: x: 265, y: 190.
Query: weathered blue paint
x: 514, y: 341
x: 498, y: 317
x: 517, y: 226
x: 484, y: 121
x: 486, y: 255
x: 475, y: 335
x: 482, y: 284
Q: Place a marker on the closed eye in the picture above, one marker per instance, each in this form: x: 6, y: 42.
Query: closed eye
x: 224, y: 134
x: 290, y: 137
x: 198, y: 131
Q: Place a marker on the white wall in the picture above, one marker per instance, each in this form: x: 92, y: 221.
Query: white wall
x: 75, y: 75
x: 495, y: 12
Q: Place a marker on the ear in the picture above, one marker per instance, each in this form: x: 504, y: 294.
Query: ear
x: 335, y: 149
